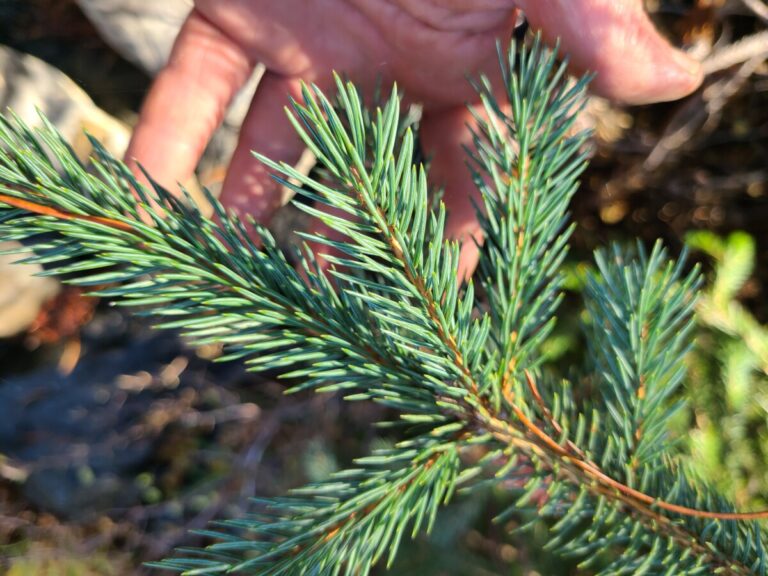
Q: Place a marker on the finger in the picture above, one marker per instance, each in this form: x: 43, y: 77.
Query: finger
x: 187, y: 101
x: 320, y: 250
x: 444, y: 134
x: 616, y: 39
x: 249, y: 187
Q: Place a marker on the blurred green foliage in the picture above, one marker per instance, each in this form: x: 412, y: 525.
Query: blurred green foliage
x: 726, y: 426
x: 728, y: 387
x: 40, y: 560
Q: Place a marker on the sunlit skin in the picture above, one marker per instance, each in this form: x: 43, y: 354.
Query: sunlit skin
x: 428, y: 46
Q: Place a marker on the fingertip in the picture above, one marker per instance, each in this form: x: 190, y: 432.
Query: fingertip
x: 685, y: 74
x: 633, y: 62
x: 668, y: 75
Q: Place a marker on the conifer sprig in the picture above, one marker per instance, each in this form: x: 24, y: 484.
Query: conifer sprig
x: 391, y: 324
x: 527, y: 160
x: 391, y: 233
x: 639, y: 351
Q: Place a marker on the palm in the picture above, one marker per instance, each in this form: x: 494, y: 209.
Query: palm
x: 428, y: 54
x: 428, y: 46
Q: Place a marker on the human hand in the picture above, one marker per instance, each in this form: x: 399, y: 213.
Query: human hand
x: 428, y: 46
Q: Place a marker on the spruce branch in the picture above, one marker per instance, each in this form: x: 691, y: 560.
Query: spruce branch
x: 394, y: 236
x: 344, y: 525
x: 638, y: 352
x: 210, y: 280
x: 394, y: 326
x: 526, y: 164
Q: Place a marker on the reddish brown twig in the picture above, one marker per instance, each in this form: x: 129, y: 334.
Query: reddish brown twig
x: 594, y: 472
x: 56, y: 213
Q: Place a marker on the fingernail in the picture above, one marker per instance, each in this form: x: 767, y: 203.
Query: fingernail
x: 680, y: 77
x: 690, y: 65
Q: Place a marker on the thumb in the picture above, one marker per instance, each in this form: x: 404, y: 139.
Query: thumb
x: 616, y: 39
